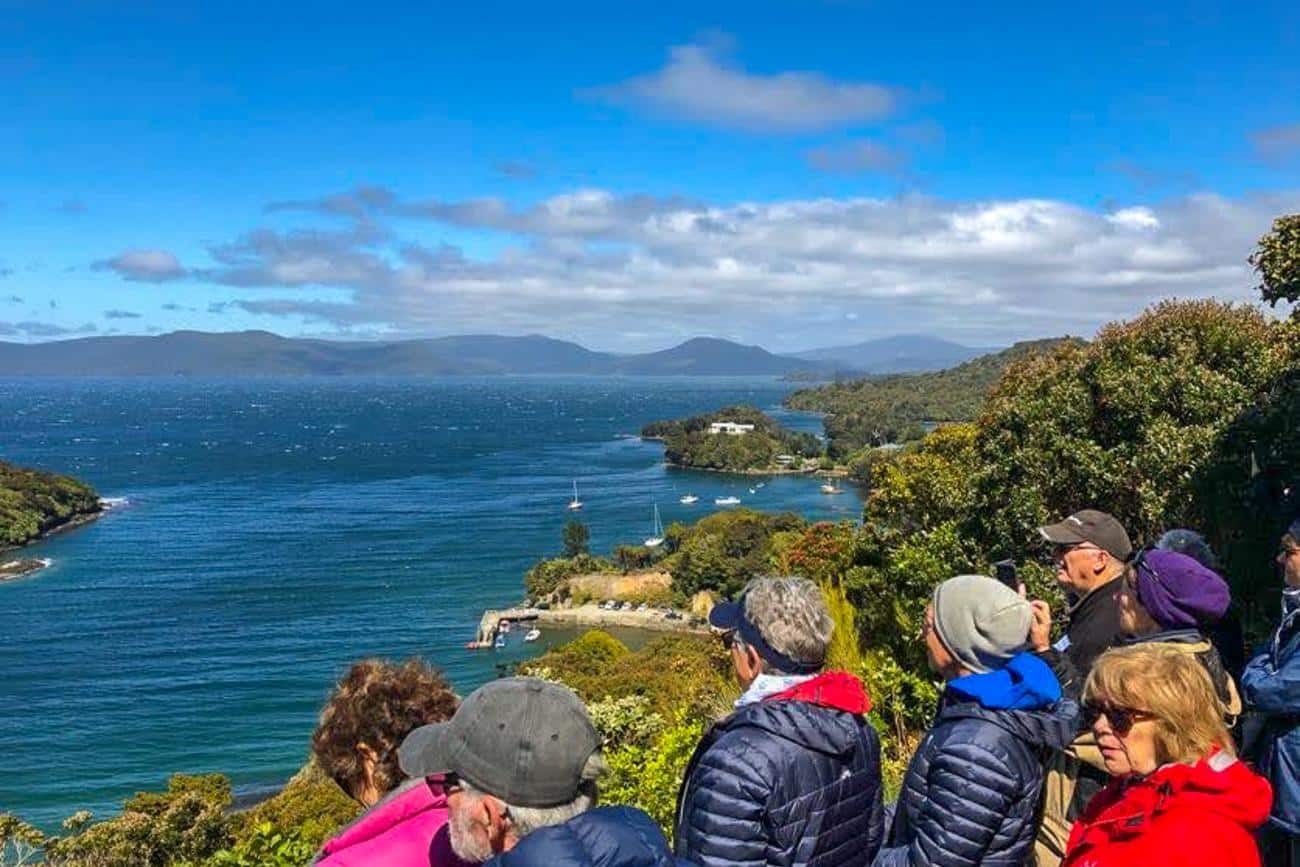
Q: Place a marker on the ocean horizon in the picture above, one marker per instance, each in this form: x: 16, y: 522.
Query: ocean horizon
x: 270, y: 532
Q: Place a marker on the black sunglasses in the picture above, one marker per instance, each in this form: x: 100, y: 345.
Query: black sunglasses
x: 728, y: 639
x: 1121, y: 719
x: 450, y: 782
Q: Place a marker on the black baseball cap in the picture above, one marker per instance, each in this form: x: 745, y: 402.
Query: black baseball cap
x: 523, y: 740
x: 1090, y: 525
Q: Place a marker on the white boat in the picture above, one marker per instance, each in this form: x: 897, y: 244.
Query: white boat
x: 753, y: 490
x: 575, y: 504
x: 831, y: 488
x: 760, y: 484
x: 689, y: 499
x: 532, y: 635
x: 727, y: 501
x: 658, y: 538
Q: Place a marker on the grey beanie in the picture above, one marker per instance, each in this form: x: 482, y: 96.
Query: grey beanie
x: 981, y: 621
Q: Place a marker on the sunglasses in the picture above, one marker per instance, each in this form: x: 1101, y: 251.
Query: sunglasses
x: 450, y: 782
x: 1121, y: 719
x: 728, y: 639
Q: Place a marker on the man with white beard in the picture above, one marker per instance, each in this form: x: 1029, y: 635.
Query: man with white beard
x: 519, y: 762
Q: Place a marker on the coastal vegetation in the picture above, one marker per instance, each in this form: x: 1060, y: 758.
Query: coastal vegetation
x: 690, y: 443
x: 891, y: 409
x: 34, y: 502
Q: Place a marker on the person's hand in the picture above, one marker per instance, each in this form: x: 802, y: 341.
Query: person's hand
x: 1040, y: 630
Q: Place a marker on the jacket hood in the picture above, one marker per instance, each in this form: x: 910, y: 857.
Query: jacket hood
x: 1020, y: 702
x: 820, y: 714
x: 603, y: 837
x: 1024, y: 683
x: 1218, y: 784
x: 837, y: 690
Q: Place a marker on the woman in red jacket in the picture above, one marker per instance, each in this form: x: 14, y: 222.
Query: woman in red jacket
x: 1177, y: 794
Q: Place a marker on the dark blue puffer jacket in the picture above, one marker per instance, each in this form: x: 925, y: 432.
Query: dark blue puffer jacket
x: 792, y: 780
x: 604, y: 837
x: 971, y: 791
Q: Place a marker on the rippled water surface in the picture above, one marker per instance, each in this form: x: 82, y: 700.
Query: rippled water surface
x: 277, y: 530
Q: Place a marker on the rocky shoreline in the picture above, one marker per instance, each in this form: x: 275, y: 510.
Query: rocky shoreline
x: 12, y: 570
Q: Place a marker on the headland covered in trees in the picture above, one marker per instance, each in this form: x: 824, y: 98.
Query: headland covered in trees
x: 735, y: 439
x: 1185, y: 416
x: 34, y: 503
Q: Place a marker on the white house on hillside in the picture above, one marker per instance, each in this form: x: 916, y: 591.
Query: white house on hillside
x: 730, y: 427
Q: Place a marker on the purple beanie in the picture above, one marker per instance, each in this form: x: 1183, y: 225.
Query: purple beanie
x: 1179, y: 592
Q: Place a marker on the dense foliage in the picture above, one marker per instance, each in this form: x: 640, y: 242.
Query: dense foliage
x: 721, y: 552
x: 688, y: 443
x: 33, y: 502
x: 889, y: 409
x: 191, y: 825
x: 1277, y: 261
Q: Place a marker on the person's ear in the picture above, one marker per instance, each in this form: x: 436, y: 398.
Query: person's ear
x: 1101, y: 561
x: 753, y: 660
x: 497, y: 821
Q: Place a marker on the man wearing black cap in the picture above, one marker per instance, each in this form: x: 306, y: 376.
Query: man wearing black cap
x: 1090, y: 549
x: 792, y: 777
x: 519, y: 761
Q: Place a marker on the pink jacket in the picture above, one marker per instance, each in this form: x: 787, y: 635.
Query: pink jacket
x: 408, y: 828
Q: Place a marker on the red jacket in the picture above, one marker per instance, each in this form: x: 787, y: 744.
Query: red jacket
x: 1200, y: 815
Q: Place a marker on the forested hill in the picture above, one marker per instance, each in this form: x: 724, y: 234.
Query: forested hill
x: 893, y: 408
x: 688, y: 443
x: 33, y: 502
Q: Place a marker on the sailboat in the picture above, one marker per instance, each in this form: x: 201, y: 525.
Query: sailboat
x: 658, y: 538
x: 575, y: 504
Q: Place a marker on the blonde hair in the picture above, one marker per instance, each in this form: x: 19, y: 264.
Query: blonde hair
x: 1174, y: 688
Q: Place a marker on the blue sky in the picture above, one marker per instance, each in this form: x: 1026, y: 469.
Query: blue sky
x: 786, y: 173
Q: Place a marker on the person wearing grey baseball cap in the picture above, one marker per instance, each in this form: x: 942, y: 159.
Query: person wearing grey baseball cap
x: 520, y: 761
x: 971, y: 791
x: 1090, y: 549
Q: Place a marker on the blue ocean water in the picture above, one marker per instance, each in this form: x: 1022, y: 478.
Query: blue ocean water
x: 277, y: 530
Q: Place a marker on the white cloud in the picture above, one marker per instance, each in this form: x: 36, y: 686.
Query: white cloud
x: 587, y: 263
x: 144, y: 266
x: 1135, y: 218
x: 697, y: 85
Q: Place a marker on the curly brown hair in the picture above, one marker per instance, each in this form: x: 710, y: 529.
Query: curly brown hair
x: 378, y: 703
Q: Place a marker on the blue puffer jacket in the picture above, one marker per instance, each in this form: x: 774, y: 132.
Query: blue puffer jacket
x: 971, y: 791
x: 1271, y: 685
x: 604, y: 837
x: 791, y: 780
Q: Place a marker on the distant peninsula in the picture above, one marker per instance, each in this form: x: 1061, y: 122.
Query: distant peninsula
x: 34, y: 503
x: 883, y: 410
x: 735, y: 439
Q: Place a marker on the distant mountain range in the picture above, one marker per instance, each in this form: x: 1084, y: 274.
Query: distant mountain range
x: 260, y: 353
x: 905, y: 353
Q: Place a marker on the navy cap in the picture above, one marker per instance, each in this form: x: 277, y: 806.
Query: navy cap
x: 730, y: 617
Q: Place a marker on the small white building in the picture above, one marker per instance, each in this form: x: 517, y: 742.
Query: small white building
x: 730, y: 428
